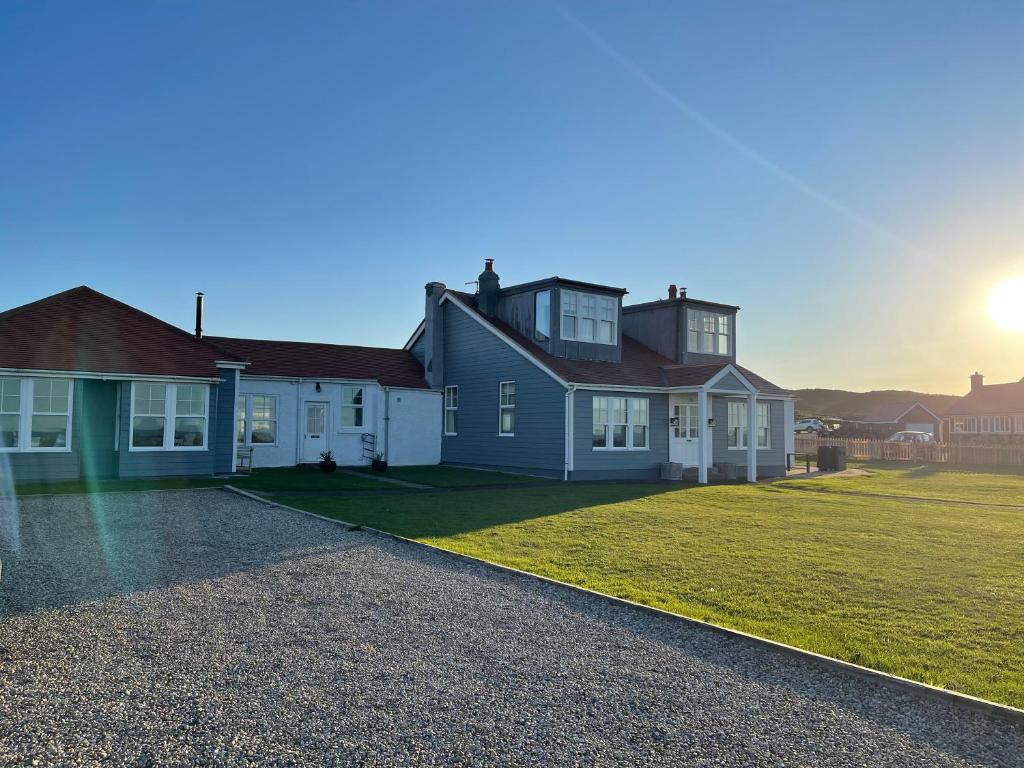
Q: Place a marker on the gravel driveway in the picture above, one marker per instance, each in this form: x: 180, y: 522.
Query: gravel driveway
x: 198, y: 628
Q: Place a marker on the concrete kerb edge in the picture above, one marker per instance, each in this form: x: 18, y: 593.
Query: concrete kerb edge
x: 984, y: 706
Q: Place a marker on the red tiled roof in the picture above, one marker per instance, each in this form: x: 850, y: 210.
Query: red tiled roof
x: 301, y: 359
x: 641, y: 366
x: 84, y: 330
x: 990, y: 400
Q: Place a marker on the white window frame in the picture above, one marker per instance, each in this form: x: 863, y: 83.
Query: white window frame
x: 26, y: 410
x: 1018, y: 424
x: 245, y: 398
x: 697, y: 331
x: 574, y: 303
x: 506, y: 405
x: 738, y: 408
x: 451, y: 389
x: 542, y: 330
x: 360, y: 407
x: 170, y: 403
x: 609, y: 426
x: 1002, y: 425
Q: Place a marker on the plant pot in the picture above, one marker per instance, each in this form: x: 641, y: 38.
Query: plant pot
x: 328, y: 466
x: 379, y: 465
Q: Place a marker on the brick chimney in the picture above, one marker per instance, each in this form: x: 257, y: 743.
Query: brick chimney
x: 433, y: 335
x: 977, y: 382
x: 673, y: 292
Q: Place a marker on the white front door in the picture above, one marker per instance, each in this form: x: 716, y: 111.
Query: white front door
x: 314, y: 438
x: 683, y: 441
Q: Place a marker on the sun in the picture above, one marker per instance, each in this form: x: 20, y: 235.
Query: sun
x: 1006, y: 304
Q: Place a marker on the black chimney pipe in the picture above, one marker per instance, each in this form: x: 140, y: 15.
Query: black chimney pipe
x: 199, y: 315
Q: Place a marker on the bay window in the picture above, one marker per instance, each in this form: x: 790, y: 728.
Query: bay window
x: 507, y: 408
x: 709, y: 332
x: 589, y: 317
x: 35, y: 414
x: 736, y: 437
x: 620, y: 423
x: 351, y: 407
x: 257, y: 420
x: 167, y: 417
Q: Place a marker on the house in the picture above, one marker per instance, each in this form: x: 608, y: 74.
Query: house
x: 557, y: 377
x: 297, y: 399
x: 92, y: 387
x: 886, y: 419
x: 990, y: 414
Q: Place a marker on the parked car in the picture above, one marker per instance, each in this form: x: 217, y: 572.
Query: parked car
x: 811, y: 426
x: 911, y: 437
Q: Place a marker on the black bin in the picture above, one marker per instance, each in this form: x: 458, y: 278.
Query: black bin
x: 831, y: 458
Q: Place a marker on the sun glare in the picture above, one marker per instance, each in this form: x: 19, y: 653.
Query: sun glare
x: 1006, y: 304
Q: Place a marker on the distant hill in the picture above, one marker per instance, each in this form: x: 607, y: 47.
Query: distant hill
x: 845, y: 405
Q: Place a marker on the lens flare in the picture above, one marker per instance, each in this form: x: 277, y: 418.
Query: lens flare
x: 1006, y: 304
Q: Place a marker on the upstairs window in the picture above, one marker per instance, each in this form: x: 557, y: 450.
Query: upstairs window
x: 589, y: 317
x: 507, y: 408
x: 451, y: 410
x: 709, y: 332
x: 542, y: 316
x: 351, y: 407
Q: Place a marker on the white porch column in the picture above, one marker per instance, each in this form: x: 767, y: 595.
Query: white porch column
x: 751, y: 438
x: 703, y: 436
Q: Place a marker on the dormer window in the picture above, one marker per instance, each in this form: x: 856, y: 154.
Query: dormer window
x: 709, y: 332
x: 589, y: 317
x: 542, y: 316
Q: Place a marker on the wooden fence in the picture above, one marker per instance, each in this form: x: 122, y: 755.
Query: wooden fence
x: 931, y: 453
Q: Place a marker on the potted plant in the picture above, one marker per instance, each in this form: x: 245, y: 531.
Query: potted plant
x: 327, y: 462
x: 378, y: 464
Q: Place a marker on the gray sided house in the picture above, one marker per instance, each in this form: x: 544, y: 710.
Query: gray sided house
x: 557, y: 378
x: 92, y: 388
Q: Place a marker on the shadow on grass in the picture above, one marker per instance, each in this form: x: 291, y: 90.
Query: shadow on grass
x: 917, y: 471
x: 420, y: 515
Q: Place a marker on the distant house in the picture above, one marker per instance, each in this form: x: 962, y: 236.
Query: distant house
x: 557, y: 377
x: 989, y: 414
x: 886, y: 419
x: 92, y: 387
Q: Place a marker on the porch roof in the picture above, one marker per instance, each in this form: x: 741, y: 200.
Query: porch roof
x: 641, y: 366
x: 82, y: 330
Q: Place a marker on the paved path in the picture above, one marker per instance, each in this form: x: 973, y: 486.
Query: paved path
x: 200, y: 628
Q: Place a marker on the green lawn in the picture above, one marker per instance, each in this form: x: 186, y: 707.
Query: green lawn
x: 924, y: 480
x: 106, y: 486
x: 452, y: 477
x: 284, y: 479
x: 930, y: 592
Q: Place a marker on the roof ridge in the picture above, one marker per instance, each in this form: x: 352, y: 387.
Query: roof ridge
x: 22, y: 307
x: 308, y: 343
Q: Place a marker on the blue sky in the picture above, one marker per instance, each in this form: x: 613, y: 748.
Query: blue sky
x: 851, y: 174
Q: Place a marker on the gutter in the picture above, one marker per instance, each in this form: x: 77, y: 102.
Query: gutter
x: 570, y: 400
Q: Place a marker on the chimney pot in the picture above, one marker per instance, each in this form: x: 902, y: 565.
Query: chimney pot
x: 488, y: 265
x: 199, y: 315
x: 673, y: 292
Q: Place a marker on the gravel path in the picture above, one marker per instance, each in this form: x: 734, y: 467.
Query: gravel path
x: 200, y: 628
